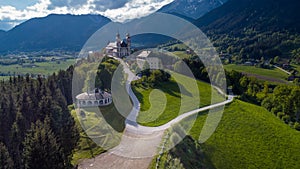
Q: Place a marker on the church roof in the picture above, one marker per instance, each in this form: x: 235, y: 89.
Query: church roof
x: 123, y: 44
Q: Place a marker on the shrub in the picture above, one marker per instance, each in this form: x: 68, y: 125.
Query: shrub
x: 286, y: 118
x: 280, y: 114
x: 297, y: 126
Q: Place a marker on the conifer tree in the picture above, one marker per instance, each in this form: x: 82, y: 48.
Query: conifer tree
x: 41, y: 149
x: 5, y: 160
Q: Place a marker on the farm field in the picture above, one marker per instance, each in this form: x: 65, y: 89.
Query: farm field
x: 274, y: 75
x: 43, y: 68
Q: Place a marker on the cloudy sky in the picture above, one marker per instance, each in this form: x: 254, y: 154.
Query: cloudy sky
x: 14, y: 12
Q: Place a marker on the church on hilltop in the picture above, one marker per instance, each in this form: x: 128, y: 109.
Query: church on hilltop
x: 119, y: 48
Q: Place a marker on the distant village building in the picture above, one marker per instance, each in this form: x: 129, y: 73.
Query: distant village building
x: 248, y: 63
x: 142, y: 58
x: 119, y: 48
x: 94, y: 98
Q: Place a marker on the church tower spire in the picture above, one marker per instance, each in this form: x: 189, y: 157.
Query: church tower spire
x: 118, y: 41
x: 128, y: 40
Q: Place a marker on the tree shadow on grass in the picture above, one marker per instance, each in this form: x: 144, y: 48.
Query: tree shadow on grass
x: 191, y: 154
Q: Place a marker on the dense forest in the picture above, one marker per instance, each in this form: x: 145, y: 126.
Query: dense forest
x: 36, y: 128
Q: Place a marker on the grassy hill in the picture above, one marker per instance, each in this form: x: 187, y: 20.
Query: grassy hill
x: 251, y: 137
x: 248, y: 136
x: 176, y: 102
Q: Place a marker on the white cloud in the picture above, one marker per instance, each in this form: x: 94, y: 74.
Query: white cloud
x: 135, y: 9
x: 117, y: 10
x: 37, y: 10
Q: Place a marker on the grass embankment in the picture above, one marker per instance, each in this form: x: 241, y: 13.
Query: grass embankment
x: 165, y: 102
x: 248, y: 136
x: 98, y: 130
x: 44, y: 68
x: 274, y: 75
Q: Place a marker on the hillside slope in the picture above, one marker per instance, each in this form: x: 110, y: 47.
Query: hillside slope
x: 192, y: 8
x: 249, y: 136
x: 2, y: 33
x: 52, y: 32
x: 254, y: 28
x: 235, y: 15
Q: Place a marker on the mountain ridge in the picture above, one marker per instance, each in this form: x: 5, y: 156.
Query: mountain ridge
x: 263, y: 13
x: 54, y: 31
x: 191, y: 8
x: 253, y: 29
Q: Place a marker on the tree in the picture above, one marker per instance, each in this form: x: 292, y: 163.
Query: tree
x: 276, y: 60
x: 15, y: 141
x: 267, y: 103
x: 295, y: 97
x: 5, y: 160
x: 41, y: 149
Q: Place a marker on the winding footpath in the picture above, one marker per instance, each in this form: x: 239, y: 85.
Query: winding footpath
x: 139, y: 144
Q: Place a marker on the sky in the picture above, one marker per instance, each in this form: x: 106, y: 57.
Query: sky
x: 14, y: 12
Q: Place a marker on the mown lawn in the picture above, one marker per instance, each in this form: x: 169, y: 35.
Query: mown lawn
x: 250, y: 137
x: 270, y: 73
x: 165, y: 102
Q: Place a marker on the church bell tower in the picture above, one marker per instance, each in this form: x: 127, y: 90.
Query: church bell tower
x: 128, y: 40
x: 118, y: 41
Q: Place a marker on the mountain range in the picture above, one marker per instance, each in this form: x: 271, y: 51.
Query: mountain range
x: 191, y: 8
x: 241, y: 27
x: 67, y: 32
x: 70, y: 32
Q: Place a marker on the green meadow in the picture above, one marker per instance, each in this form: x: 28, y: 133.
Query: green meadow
x: 165, y: 102
x: 249, y: 136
